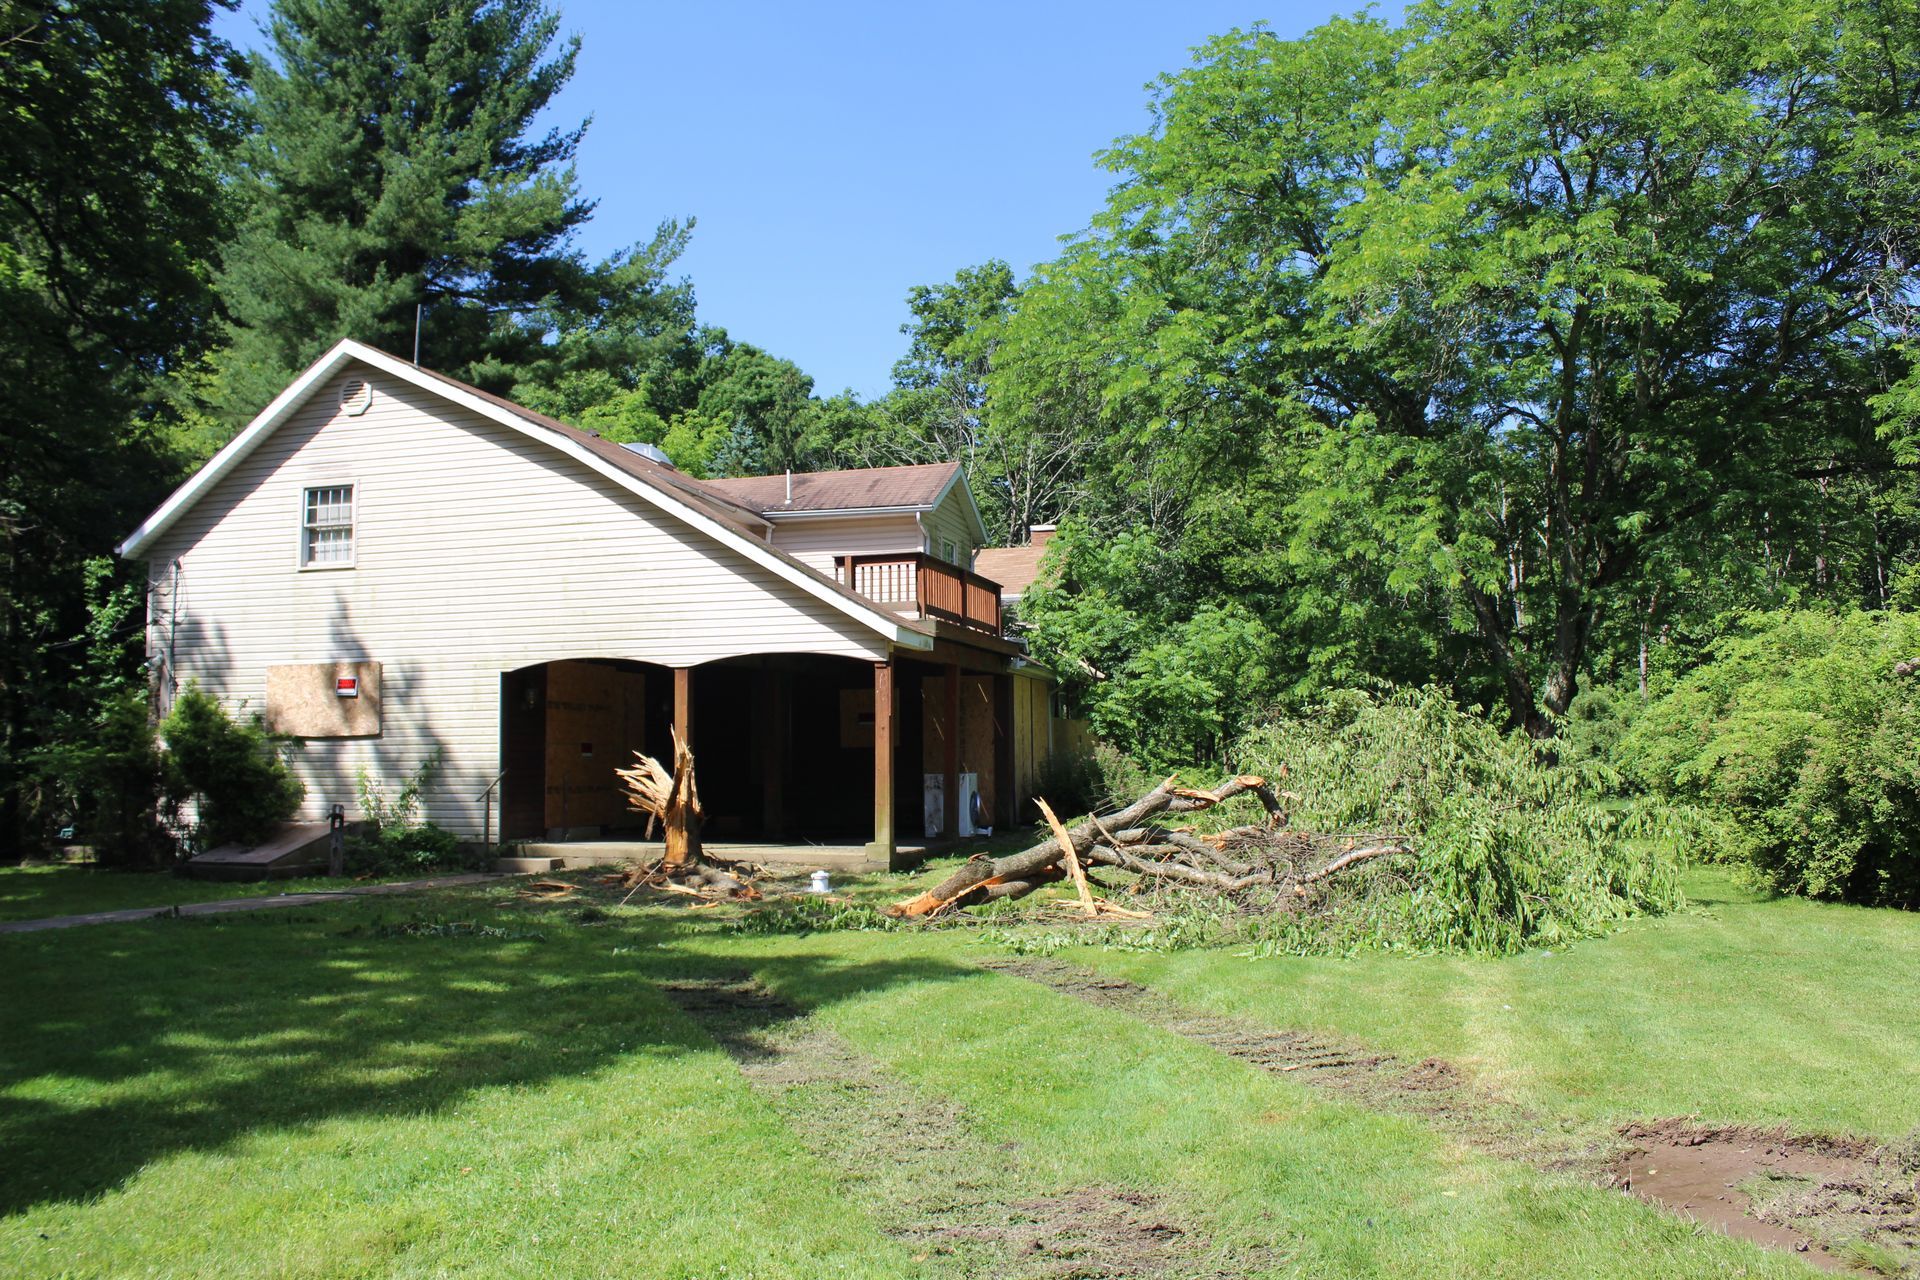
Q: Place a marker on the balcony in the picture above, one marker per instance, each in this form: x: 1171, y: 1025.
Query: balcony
x: 927, y: 584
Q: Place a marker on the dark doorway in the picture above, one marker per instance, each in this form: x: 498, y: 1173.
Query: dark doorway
x: 784, y: 748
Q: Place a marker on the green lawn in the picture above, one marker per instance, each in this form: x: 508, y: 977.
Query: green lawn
x: 311, y: 1093
x: 39, y: 890
x: 1741, y: 1009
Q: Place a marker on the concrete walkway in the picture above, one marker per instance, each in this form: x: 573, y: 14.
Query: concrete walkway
x: 221, y: 906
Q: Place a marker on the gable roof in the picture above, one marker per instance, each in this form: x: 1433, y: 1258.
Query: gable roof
x: 726, y: 521
x: 907, y: 490
x: 917, y: 488
x: 1014, y: 568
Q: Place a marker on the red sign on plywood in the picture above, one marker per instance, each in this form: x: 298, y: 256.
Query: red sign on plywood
x: 346, y: 686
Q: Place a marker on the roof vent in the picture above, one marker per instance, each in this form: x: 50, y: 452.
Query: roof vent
x: 356, y: 396
x: 651, y: 452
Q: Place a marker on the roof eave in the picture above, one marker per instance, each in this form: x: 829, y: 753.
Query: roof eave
x: 234, y: 451
x: 778, y: 516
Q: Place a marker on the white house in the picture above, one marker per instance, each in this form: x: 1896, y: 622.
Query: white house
x: 390, y: 564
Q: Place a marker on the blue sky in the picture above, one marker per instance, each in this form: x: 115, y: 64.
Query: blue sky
x: 836, y: 155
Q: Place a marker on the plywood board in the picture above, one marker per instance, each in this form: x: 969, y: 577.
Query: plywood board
x: 975, y: 728
x: 856, y: 717
x: 1031, y: 710
x: 595, y: 715
x: 302, y: 700
x: 976, y: 736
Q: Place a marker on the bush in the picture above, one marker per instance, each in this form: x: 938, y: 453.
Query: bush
x: 1798, y: 733
x: 106, y: 779
x: 1511, y: 851
x: 386, y: 851
x: 394, y: 840
x: 1070, y: 782
x: 235, y: 769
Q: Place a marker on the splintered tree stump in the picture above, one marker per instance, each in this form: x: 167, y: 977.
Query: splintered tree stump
x: 1131, y: 840
x: 674, y: 800
x: 670, y: 797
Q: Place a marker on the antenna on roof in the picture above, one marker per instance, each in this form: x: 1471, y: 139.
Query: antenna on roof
x: 418, y: 308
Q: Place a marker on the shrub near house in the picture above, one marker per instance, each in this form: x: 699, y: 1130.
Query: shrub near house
x: 234, y: 770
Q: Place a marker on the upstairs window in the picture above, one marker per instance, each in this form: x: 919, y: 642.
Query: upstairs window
x: 949, y: 552
x: 326, y: 536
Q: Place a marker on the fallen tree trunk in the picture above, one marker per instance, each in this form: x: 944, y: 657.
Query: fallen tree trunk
x: 1131, y: 840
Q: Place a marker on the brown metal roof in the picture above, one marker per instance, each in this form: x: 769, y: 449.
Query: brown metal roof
x: 1014, y: 568
x: 860, y: 490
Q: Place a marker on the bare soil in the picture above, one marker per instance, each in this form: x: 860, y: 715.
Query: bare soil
x: 1792, y: 1192
x: 1818, y: 1197
x: 966, y: 1206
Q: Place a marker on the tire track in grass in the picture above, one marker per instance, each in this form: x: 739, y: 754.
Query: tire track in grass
x: 1432, y: 1089
x: 1858, y: 1194
x: 965, y: 1206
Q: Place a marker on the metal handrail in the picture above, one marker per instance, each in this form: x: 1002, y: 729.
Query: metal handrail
x: 486, y: 815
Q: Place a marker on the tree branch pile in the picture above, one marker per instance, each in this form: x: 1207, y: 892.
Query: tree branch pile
x: 1264, y: 855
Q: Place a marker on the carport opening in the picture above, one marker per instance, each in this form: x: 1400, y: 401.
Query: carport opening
x: 783, y: 745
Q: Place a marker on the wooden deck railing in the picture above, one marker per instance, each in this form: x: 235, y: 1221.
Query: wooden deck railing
x: 938, y: 589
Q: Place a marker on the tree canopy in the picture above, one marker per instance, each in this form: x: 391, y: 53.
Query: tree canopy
x: 1488, y: 329
x: 111, y: 207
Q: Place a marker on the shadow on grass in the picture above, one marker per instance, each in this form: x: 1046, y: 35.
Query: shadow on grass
x: 118, y: 1049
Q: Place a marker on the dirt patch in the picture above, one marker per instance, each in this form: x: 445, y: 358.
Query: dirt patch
x: 1821, y: 1198
x: 1796, y: 1193
x: 965, y: 1206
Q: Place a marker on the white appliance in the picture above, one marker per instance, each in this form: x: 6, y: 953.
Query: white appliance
x: 935, y: 803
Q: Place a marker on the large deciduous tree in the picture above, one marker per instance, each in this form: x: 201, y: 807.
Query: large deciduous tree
x: 116, y: 113
x: 1537, y: 306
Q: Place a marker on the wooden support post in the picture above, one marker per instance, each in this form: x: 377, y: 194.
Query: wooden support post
x: 882, y: 848
x: 683, y: 704
x: 1006, y: 807
x: 950, y: 717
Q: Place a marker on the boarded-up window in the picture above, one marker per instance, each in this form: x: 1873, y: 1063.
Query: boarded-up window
x: 324, y: 699
x: 327, y: 533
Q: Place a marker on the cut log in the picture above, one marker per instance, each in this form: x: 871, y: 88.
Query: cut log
x: 1165, y: 798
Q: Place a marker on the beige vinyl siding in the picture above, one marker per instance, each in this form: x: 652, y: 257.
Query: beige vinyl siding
x: 950, y: 520
x: 477, y: 551
x: 818, y: 541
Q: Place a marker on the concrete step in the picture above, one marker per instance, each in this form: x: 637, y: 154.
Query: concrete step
x: 525, y: 866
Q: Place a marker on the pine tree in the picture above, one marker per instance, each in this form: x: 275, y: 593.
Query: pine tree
x: 394, y: 164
